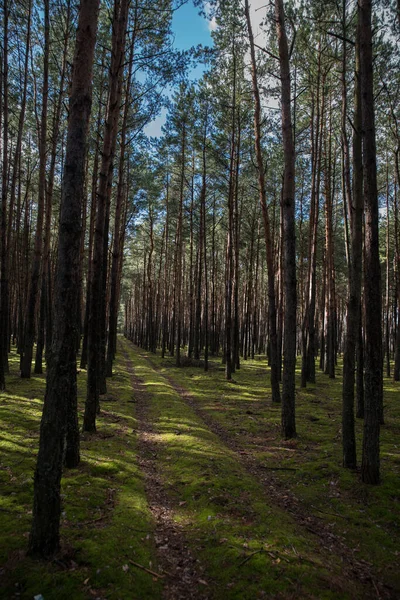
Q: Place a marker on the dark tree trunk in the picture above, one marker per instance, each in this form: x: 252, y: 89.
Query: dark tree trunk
x: 61, y: 378
x: 45, y: 317
x: 30, y: 314
x: 93, y: 204
x: 396, y: 371
x: 372, y: 285
x: 96, y: 325
x: 4, y: 177
x: 353, y: 321
x: 289, y: 236
x: 117, y: 254
x: 229, y: 363
x: 179, y: 253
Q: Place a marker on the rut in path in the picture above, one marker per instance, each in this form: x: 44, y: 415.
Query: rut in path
x: 276, y: 492
x: 183, y: 573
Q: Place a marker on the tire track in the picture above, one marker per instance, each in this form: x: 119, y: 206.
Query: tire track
x: 182, y: 572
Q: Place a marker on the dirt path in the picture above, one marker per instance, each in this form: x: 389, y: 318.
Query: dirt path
x: 328, y: 542
x: 183, y: 574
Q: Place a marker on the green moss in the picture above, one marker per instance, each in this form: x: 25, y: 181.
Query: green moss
x: 248, y: 545
x: 105, y: 519
x: 367, y: 517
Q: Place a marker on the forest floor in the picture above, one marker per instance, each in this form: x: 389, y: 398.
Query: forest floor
x: 187, y: 491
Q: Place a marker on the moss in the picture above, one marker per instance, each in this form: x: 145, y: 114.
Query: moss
x: 249, y: 547
x: 105, y: 519
x: 310, y: 466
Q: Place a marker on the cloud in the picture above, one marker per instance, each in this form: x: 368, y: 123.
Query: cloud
x: 212, y: 25
x: 258, y: 9
x: 257, y: 13
x: 153, y: 129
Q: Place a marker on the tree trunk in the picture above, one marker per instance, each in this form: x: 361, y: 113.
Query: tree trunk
x: 179, y: 253
x: 353, y: 321
x: 273, y: 338
x: 30, y: 315
x: 96, y: 326
x: 61, y: 378
x: 4, y: 178
x: 117, y: 254
x: 372, y: 285
x: 289, y: 236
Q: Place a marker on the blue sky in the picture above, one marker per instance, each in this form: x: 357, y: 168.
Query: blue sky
x: 189, y: 29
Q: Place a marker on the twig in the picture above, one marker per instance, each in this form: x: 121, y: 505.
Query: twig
x: 250, y: 556
x: 376, y: 589
x: 92, y: 521
x: 279, y: 468
x: 147, y: 570
x: 330, y: 514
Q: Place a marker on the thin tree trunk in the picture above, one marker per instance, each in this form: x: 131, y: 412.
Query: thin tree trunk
x: 117, y: 254
x: 179, y: 253
x: 96, y: 325
x: 4, y: 178
x: 267, y: 230
x: 30, y: 314
x: 289, y: 239
x: 93, y: 206
x: 45, y: 322
x: 353, y: 321
x: 396, y: 372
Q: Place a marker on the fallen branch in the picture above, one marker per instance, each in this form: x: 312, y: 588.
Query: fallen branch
x: 147, y: 570
x: 329, y: 514
x: 278, y: 468
x: 92, y: 521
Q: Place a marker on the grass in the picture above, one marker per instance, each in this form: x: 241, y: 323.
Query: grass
x: 105, y: 518
x: 367, y: 517
x: 249, y: 546
x: 224, y: 509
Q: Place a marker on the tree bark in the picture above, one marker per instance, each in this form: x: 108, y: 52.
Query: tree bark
x: 96, y: 326
x: 61, y: 378
x: 30, y: 314
x: 4, y: 178
x: 117, y: 255
x: 289, y: 236
x: 355, y: 276
x: 273, y: 338
x: 372, y: 285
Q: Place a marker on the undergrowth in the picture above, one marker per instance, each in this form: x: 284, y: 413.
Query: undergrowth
x: 249, y: 546
x: 310, y: 466
x: 105, y: 519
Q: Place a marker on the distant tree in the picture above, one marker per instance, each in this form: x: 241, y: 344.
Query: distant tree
x: 37, y: 264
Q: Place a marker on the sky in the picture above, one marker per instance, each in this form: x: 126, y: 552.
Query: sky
x: 190, y: 29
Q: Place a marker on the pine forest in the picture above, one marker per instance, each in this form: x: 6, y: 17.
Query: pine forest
x: 199, y: 299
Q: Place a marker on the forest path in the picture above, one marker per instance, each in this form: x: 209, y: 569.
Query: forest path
x: 326, y: 543
x: 180, y: 568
